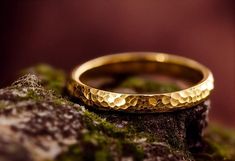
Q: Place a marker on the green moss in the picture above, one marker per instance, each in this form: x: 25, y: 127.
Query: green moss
x: 101, y: 140
x: 100, y: 147
x: 74, y: 153
x: 102, y: 155
x: 94, y: 122
x: 92, y: 146
x: 51, y: 78
x: 134, y: 134
x: 94, y: 138
x: 32, y: 94
x: 221, y: 142
x: 143, y: 85
x: 2, y: 105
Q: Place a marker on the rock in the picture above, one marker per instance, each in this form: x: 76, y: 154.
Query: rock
x: 40, y: 122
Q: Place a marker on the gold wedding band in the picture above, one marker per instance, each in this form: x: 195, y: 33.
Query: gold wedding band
x: 201, y: 79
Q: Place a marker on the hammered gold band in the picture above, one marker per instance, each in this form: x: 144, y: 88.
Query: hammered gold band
x: 142, y: 62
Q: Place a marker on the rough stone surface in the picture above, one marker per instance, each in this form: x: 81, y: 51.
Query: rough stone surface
x: 39, y: 122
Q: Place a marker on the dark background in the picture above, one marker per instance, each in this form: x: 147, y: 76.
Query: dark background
x: 65, y: 33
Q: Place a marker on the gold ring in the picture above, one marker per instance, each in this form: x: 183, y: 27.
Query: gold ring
x: 82, y: 84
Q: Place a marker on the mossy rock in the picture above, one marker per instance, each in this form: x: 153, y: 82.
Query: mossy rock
x: 39, y: 121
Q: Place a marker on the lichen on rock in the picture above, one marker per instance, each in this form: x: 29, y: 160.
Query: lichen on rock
x: 50, y: 78
x: 42, y: 123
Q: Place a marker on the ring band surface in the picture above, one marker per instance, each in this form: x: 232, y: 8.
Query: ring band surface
x: 142, y: 102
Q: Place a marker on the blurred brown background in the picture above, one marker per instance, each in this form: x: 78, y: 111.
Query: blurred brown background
x: 65, y: 33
